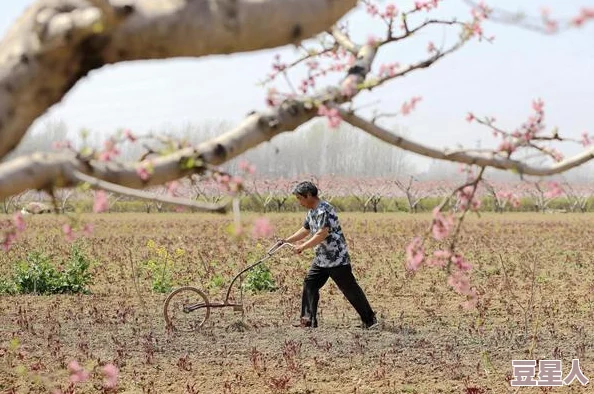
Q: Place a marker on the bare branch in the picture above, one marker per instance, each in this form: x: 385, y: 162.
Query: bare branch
x: 429, y: 22
x: 308, y: 55
x: 99, y: 184
x: 462, y: 157
x: 543, y: 24
x: 416, y: 66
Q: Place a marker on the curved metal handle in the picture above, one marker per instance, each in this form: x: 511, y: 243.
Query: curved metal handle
x: 277, y: 246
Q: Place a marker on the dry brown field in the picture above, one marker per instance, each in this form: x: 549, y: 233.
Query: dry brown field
x: 533, y: 273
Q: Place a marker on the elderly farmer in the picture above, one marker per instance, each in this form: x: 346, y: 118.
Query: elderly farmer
x: 331, y: 259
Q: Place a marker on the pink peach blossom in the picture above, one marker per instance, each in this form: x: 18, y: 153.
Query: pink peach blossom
x: 110, y: 372
x: 415, y: 253
x: 142, y: 173
x: 555, y: 190
x: 67, y: 230
x: 19, y: 222
x: 334, y: 118
x: 88, y: 229
x: 129, y: 136
x: 101, y: 203
x: 9, y: 239
x: 77, y: 373
x: 461, y: 263
x: 440, y: 258
x: 459, y: 282
x: 262, y: 228
x: 391, y: 11
x: 442, y: 225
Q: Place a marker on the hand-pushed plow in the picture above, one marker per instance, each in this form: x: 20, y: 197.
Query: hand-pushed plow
x: 187, y: 308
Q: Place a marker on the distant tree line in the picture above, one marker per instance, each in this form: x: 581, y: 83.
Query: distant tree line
x: 318, y: 151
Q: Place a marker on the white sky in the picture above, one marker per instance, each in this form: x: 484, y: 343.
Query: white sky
x: 499, y: 79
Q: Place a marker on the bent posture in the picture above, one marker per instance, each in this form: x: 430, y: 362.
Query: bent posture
x: 331, y: 259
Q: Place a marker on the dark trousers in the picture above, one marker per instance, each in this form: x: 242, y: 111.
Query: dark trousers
x: 343, y: 277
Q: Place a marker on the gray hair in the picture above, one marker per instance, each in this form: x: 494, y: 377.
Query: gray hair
x: 304, y: 188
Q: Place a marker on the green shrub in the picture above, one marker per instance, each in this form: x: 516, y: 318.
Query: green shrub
x: 76, y: 276
x: 161, y: 281
x: 217, y: 281
x: 7, y: 286
x: 160, y: 266
x: 259, y: 279
x: 37, y: 275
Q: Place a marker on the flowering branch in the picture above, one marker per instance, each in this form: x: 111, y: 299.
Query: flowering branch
x: 543, y: 24
x: 37, y: 171
x: 53, y: 45
x: 390, y: 74
x: 486, y: 160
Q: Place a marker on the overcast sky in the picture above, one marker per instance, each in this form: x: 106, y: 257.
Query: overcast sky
x: 499, y: 79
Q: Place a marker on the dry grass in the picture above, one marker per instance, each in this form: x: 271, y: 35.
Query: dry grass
x: 533, y: 272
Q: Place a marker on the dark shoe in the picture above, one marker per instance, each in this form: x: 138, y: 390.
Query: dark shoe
x: 373, y: 325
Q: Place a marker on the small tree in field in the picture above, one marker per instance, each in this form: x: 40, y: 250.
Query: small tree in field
x: 270, y: 194
x: 369, y: 196
x: 54, y: 44
x: 577, y: 197
x: 11, y: 203
x: 543, y: 195
x: 414, y: 194
x: 502, y: 198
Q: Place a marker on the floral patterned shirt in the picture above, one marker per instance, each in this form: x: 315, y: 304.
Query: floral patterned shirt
x: 333, y: 251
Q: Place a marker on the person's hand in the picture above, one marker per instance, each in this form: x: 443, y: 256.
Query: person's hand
x: 280, y: 241
x: 298, y: 249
